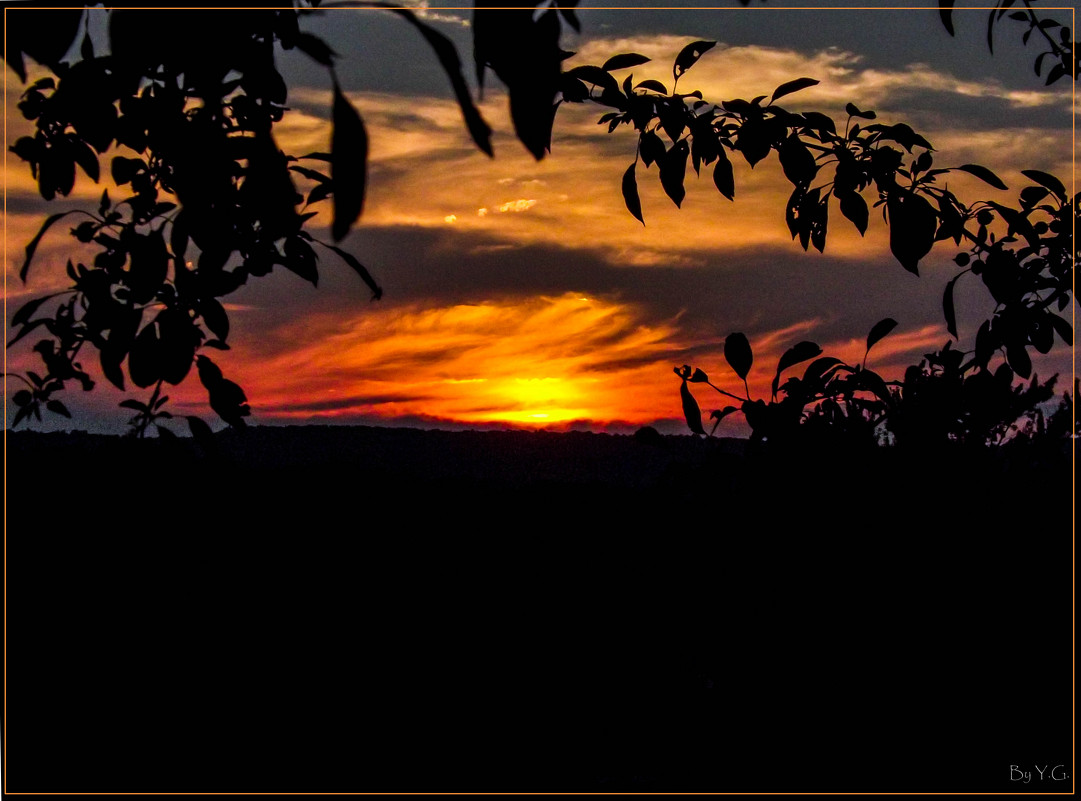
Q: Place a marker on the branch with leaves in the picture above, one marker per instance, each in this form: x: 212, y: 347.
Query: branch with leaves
x: 211, y: 199
x: 1024, y: 254
x: 1050, y: 34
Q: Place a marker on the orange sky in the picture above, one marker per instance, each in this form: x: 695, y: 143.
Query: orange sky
x: 529, y: 341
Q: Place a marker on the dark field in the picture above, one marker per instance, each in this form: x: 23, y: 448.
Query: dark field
x: 387, y: 609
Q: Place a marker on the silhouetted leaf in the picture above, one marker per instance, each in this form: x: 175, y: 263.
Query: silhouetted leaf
x: 754, y: 140
x: 854, y: 111
x: 872, y: 382
x: 816, y: 368
x: 1041, y: 332
x: 163, y: 350
x: 1065, y: 330
x: 227, y: 399
x: 452, y: 66
x: 316, y: 48
x: 143, y: 366
x: 722, y: 176
x: 948, y: 308
x: 179, y: 340
x: 27, y: 329
x: 673, y: 118
x: 738, y: 354
x: 654, y: 86
x: 1018, y: 223
x: 902, y: 134
x: 1031, y: 195
x: 800, y: 352
x: 792, y: 86
x: 985, y: 346
x: 149, y: 266
x: 301, y: 259
x: 57, y: 407
x: 698, y: 377
x: 623, y: 61
x: 201, y: 432
x: 22, y: 414
x: 912, y: 229
x: 22, y: 397
x: 596, y: 76
x: 43, y: 34
x: 717, y: 415
x: 33, y: 244
x: 819, y: 121
x: 630, y: 193
x: 318, y: 193
x: 1049, y: 181
x: 854, y: 207
x: 214, y: 317
x: 1018, y: 358
x: 796, y: 161
x: 673, y: 169
x: 522, y: 47
x: 688, y: 56
x: 819, y: 222
x: 124, y: 169
x: 123, y: 325
x: 348, y: 164
x: 307, y: 172
x: 720, y: 414
x: 27, y: 309
x: 691, y: 412
x: 880, y: 330
x: 945, y: 11
x: 87, y: 159
x: 360, y: 269
x: 983, y: 174
x: 650, y: 148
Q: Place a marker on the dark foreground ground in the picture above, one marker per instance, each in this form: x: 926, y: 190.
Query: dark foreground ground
x: 370, y: 609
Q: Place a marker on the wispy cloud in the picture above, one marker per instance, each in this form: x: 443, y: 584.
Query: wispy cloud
x: 531, y: 361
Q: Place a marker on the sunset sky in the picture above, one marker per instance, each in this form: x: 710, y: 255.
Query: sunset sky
x: 523, y: 293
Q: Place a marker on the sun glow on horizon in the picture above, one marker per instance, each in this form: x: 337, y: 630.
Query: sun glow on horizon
x: 534, y: 361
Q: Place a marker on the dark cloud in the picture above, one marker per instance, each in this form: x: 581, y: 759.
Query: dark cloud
x: 336, y: 404
x: 762, y: 288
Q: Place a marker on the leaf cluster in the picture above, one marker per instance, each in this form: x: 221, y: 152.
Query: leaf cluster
x: 204, y: 198
x: 1024, y: 254
x: 829, y: 389
x: 1060, y: 50
x: 942, y: 400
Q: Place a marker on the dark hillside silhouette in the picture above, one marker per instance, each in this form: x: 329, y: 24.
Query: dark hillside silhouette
x: 364, y: 609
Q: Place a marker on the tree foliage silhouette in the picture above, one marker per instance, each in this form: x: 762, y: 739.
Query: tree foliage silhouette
x: 1024, y: 254
x: 212, y: 200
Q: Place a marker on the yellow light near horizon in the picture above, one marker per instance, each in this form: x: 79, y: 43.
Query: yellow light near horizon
x: 528, y: 362
x: 539, y: 390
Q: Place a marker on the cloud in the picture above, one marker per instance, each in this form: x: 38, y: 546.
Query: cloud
x: 730, y: 71
x: 526, y: 361
x: 417, y: 143
x: 554, y: 304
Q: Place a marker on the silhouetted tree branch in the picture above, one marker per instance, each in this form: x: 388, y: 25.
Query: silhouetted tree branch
x: 211, y: 200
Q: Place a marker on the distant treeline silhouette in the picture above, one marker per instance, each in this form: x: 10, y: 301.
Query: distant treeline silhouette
x: 338, y: 609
